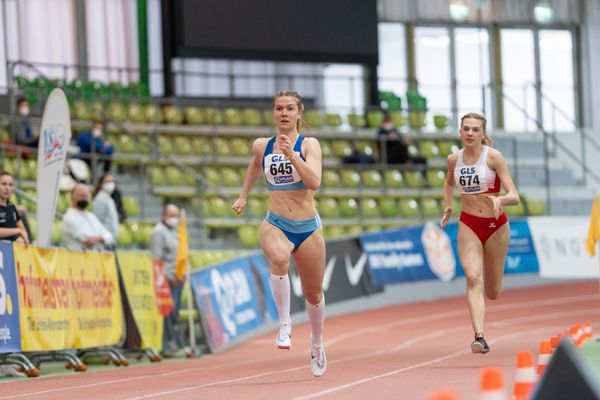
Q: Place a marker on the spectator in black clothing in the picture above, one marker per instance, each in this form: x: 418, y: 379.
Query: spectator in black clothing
x: 11, y: 224
x: 395, y: 144
x: 23, y: 133
x: 117, y: 197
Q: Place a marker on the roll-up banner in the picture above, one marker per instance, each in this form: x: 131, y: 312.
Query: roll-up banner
x: 55, y: 136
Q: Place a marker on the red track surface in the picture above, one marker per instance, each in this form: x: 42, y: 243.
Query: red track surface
x: 407, y: 352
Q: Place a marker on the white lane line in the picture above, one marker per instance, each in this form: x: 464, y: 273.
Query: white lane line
x: 335, y: 340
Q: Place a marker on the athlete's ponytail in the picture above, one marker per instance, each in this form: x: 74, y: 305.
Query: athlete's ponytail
x: 487, y: 140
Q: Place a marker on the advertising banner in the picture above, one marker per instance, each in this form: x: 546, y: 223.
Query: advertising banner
x: 521, y: 256
x: 346, y: 274
x: 67, y: 299
x: 10, y: 333
x: 560, y: 245
x: 409, y: 254
x: 55, y: 136
x: 138, y: 277
x: 231, y: 300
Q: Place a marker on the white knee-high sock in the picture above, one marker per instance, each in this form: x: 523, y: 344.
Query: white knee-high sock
x: 316, y: 315
x: 280, y: 285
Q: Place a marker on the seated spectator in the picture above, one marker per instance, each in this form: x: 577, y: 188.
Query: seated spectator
x: 92, y: 142
x: 395, y: 144
x: 81, y: 229
x: 22, y: 131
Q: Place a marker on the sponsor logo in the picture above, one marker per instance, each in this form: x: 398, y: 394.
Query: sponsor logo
x: 467, y: 170
x: 284, y: 179
x: 472, y: 189
x: 54, y: 142
x: 492, y: 225
x: 232, y: 291
x: 438, y: 250
x: 5, y: 304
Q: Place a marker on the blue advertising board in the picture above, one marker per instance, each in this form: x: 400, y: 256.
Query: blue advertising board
x: 521, y: 256
x: 232, y: 299
x: 10, y: 327
x: 409, y: 254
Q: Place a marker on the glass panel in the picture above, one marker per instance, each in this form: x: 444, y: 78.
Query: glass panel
x: 558, y: 89
x: 343, y: 88
x: 433, y: 70
x: 518, y: 76
x: 392, y: 73
x: 473, y: 72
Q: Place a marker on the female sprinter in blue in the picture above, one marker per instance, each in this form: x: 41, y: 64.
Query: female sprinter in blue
x: 291, y: 164
x: 478, y: 171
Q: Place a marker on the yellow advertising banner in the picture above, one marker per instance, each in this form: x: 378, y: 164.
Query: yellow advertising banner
x: 138, y: 277
x: 67, y: 299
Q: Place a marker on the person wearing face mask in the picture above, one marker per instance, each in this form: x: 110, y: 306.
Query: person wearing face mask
x: 395, y: 144
x: 165, y: 240
x: 92, y: 142
x: 24, y: 134
x: 104, y: 205
x: 82, y: 230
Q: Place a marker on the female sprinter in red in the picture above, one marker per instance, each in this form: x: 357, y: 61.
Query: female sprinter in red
x: 478, y: 171
x: 292, y: 167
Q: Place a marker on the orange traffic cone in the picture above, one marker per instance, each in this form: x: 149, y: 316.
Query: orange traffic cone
x: 492, y: 385
x: 444, y: 395
x: 554, y: 341
x: 587, y: 330
x: 576, y: 332
x: 544, y: 356
x: 525, y: 376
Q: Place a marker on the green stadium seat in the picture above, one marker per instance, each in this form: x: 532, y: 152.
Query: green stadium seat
x: 431, y: 207
x: 365, y: 148
x: 334, y: 231
x: 222, y: 147
x: 374, y: 118
x: 241, y: 147
x: 408, y: 207
x: 441, y: 121
x: 165, y: 145
x: 182, y: 145
x: 252, y: 117
x: 398, y: 118
x: 201, y: 146
x: 230, y: 177
x: 268, y: 117
x: 388, y: 207
x: 429, y: 149
x: 413, y: 150
x: 341, y: 148
x: 117, y: 111
x: 356, y: 120
x: 81, y: 110
x: 257, y: 206
x: 131, y: 206
x: 447, y: 147
x: 535, y: 207
x: 212, y: 175
x: 371, y: 178
x: 214, y: 116
x: 325, y: 148
x: 333, y: 120
x: 233, y: 117
x: 248, y: 235
x: 219, y: 207
x: 330, y: 178
x: 125, y: 238
x: 125, y: 144
x: 314, y: 118
x: 394, y: 179
x: 350, y: 178
x: 153, y: 114
x: 369, y: 207
x: 193, y: 115
x: 174, y: 176
x: 354, y: 230
x: 436, y: 177
x: 414, y: 179
x: 417, y: 119
x: 173, y: 115
x: 515, y: 211
x: 328, y: 207
x: 348, y: 207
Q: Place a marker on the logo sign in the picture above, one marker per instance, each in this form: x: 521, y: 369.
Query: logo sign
x: 438, y: 251
x: 10, y: 334
x: 164, y: 300
x: 52, y: 152
x: 227, y: 296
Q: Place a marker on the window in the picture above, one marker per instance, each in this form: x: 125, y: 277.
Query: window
x: 392, y: 75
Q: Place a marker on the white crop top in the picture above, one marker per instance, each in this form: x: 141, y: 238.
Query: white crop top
x: 477, y: 178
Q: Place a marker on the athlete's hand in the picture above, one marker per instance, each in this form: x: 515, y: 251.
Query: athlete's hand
x: 445, y: 217
x: 285, y: 145
x: 497, y: 206
x: 239, y: 205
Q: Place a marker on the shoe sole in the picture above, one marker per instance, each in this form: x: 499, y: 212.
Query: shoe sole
x: 284, y: 347
x: 477, y: 348
x: 319, y: 375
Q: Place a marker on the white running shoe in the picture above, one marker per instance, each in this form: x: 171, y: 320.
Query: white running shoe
x: 284, y: 337
x: 318, y: 362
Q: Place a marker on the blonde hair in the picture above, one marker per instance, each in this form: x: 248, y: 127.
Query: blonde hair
x: 487, y: 140
x: 300, y: 124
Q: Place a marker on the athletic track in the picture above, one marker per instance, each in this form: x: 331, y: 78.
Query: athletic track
x: 402, y: 352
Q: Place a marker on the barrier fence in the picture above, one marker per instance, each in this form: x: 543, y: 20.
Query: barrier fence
x: 52, y: 299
